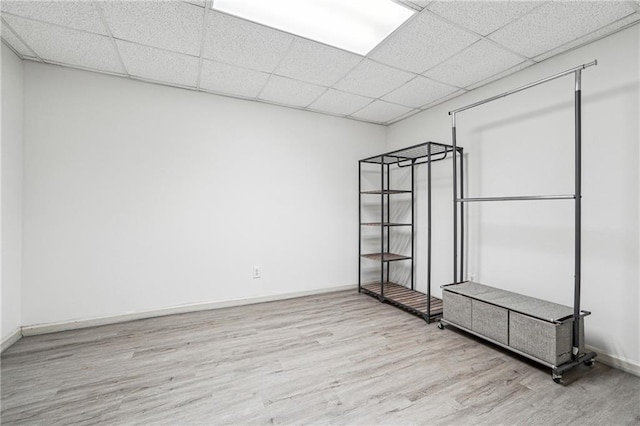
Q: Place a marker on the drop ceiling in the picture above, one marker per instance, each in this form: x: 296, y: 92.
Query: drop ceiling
x: 446, y: 49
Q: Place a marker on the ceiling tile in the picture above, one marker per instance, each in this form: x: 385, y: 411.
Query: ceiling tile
x: 445, y: 98
x: 159, y: 65
x: 79, y: 15
x: 341, y: 103
x: 483, y: 17
x: 602, y: 32
x: 372, y: 79
x: 232, y: 80
x: 556, y: 23
x: 238, y: 42
x: 477, y: 62
x: 381, y: 112
x: 424, y: 42
x: 290, y: 92
x: 66, y: 46
x: 498, y: 76
x: 316, y: 63
x: 418, y: 92
x: 14, y: 42
x: 170, y: 25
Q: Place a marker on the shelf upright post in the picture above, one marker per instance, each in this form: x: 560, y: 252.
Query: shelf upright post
x: 455, y: 197
x: 413, y: 164
x: 461, y: 214
x: 429, y: 233
x: 388, y: 250
x: 578, y: 212
x: 359, y: 226
x: 382, y: 227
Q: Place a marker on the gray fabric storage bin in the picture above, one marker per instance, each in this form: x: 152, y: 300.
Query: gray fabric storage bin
x: 456, y: 309
x: 490, y: 321
x: 548, y: 341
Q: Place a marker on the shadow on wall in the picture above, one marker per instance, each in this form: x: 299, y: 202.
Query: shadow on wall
x: 560, y: 106
x: 484, y: 234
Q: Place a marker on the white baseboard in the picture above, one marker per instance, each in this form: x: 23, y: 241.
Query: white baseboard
x: 32, y: 330
x: 625, y: 365
x: 10, y: 339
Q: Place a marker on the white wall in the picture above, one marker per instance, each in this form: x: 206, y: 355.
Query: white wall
x: 11, y: 230
x: 524, y: 145
x: 140, y: 196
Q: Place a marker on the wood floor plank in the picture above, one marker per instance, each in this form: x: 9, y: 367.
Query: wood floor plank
x: 339, y: 358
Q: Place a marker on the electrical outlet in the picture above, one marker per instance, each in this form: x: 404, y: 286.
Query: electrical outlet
x: 472, y: 277
x: 256, y: 272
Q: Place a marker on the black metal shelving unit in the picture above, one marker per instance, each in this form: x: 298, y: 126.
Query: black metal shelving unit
x: 402, y: 296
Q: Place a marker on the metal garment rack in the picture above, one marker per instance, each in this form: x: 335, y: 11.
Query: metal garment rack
x: 458, y: 202
x: 406, y: 297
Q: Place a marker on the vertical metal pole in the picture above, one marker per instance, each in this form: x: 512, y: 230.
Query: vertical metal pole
x: 359, y: 226
x: 388, y: 220
x: 413, y: 166
x: 455, y: 197
x: 382, y: 227
x: 461, y: 215
x: 429, y: 233
x: 578, y: 213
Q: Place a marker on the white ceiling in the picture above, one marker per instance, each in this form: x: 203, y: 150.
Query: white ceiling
x: 444, y: 50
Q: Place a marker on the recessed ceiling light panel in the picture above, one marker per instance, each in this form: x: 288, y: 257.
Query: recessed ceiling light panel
x: 354, y: 25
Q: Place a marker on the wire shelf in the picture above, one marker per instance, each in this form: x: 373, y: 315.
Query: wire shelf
x: 384, y: 224
x: 411, y: 300
x: 386, y: 191
x: 437, y: 150
x: 385, y: 257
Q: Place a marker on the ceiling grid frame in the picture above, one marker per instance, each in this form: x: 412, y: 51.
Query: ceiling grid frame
x: 417, y: 28
x: 54, y: 20
x: 443, y: 72
x: 171, y: 30
x: 630, y: 19
x: 333, y: 86
x: 203, y: 39
x: 13, y: 49
x: 363, y: 58
x: 21, y: 40
x: 80, y: 39
x: 485, y: 38
x: 98, y: 10
x: 258, y: 96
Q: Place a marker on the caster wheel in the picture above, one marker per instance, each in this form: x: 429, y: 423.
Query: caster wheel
x: 557, y: 379
x: 440, y: 325
x: 589, y: 363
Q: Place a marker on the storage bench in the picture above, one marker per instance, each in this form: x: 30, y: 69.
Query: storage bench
x: 535, y: 328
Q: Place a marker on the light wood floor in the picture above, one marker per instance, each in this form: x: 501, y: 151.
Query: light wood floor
x: 340, y: 358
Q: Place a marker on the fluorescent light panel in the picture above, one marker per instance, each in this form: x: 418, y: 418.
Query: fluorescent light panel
x: 354, y: 25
